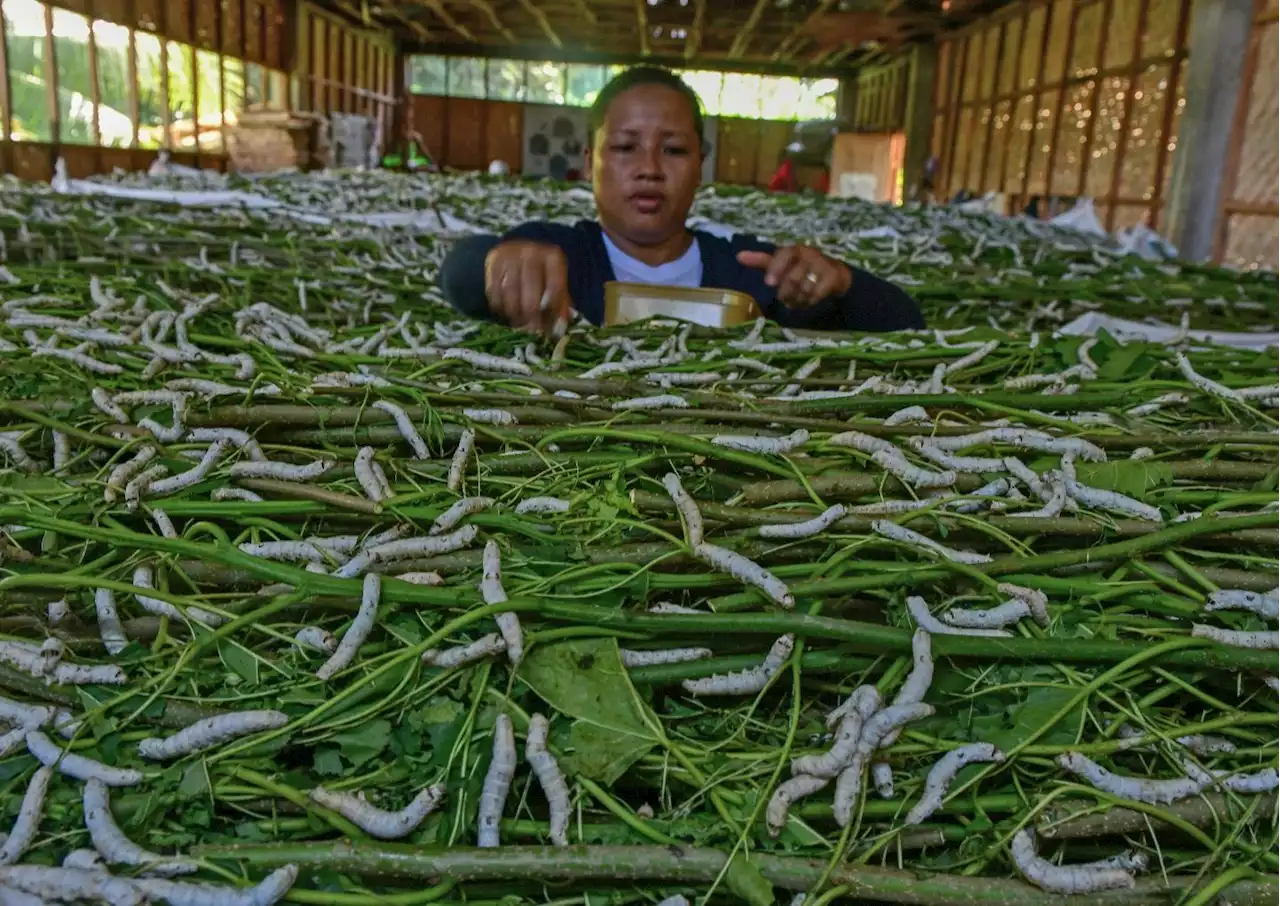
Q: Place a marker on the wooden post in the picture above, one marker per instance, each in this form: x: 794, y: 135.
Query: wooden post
x: 51, y: 82
x: 918, y: 125
x: 1176, y: 71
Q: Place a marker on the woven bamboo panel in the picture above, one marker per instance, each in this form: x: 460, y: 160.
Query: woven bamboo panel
x: 1029, y: 64
x: 1073, y: 121
x: 1171, y: 140
x: 1252, y: 242
x: 1122, y: 32
x: 974, y: 169
x: 253, y: 31
x: 1001, y: 127
x: 232, y: 33
x: 206, y: 26
x: 1041, y: 137
x: 1256, y: 175
x: 1008, y: 76
x: 1022, y: 127
x: 972, y: 66
x: 960, y: 153
x: 1106, y: 136
x: 1162, y: 27
x: 1127, y: 215
x: 937, y: 135
x: 1055, y: 56
x: 1084, y: 47
x: 177, y: 22
x: 990, y: 59
x: 942, y: 79
x: 148, y: 13
x: 1138, y: 173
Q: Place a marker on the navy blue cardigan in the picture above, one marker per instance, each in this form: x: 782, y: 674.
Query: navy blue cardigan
x: 871, y: 304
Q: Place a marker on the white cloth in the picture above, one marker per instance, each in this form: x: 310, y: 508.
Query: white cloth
x: 684, y: 271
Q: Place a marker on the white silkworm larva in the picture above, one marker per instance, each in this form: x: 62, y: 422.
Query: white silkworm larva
x: 1023, y: 473
x: 109, y: 626
x: 78, y: 766
x: 944, y: 771
x: 58, y: 612
x: 358, y: 631
x: 865, y: 701
x: 487, y: 362
x: 317, y: 638
x: 1168, y: 399
x: 461, y: 509
x: 107, y: 405
x: 972, y: 358
x: 537, y: 506
x: 785, y: 794
x: 25, y: 826
x: 1026, y: 439
x: 901, y: 533
x: 1206, y: 745
x: 839, y: 755
x: 888, y: 723
x: 112, y: 844
x: 163, y: 523
x: 404, y: 424
x: 1263, y: 781
x: 1150, y: 791
x: 661, y: 401
x: 144, y: 578
x: 668, y: 607
x: 241, y: 440
x: 1010, y: 611
x: 282, y: 471
x: 381, y: 823
x: 500, y: 417
x: 210, y: 732
x: 125, y: 472
x: 458, y: 465
x: 1239, y: 638
x: 240, y: 494
x: 682, y: 378
x: 968, y: 464
x: 61, y: 451
x: 807, y: 529
x: 1200, y: 382
x: 882, y: 779
x: 916, y: 685
x: 461, y: 655
x: 919, y: 611
x: 747, y: 571
x: 84, y: 859
x: 550, y: 778
x: 893, y: 462
x: 1062, y: 878
x: 492, y: 592
x: 421, y: 578
x: 497, y: 783
x: 1036, y: 600
x: 1266, y: 606
x: 745, y: 682
x: 907, y: 416
x: 771, y: 445
x: 140, y: 485
x: 686, y: 506
x: 848, y: 790
x: 405, y: 548
x: 372, y: 480
x: 1097, y: 498
x: 863, y: 443
x: 288, y: 551
x: 648, y: 658
x: 194, y: 475
x: 70, y: 885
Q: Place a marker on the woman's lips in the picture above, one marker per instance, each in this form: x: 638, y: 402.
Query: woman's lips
x: 646, y: 202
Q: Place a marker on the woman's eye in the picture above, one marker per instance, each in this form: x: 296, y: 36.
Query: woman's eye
x: 623, y: 148
x: 678, y: 152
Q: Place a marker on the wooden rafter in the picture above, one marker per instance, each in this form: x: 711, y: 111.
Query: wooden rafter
x: 413, y: 25
x: 788, y: 45
x: 588, y: 14
x: 743, y: 40
x: 543, y: 22
x: 437, y: 7
x: 642, y: 23
x: 693, y: 43
x: 491, y: 14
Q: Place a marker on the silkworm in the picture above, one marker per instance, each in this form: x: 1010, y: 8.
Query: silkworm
x: 967, y: 464
x: 207, y: 388
x: 109, y: 626
x: 500, y: 417
x: 1239, y: 638
x: 25, y: 826
x: 893, y: 462
x: 317, y: 638
x: 747, y: 571
x: 144, y: 578
x: 358, y: 631
x: 1150, y: 791
x: 972, y: 358
x: 1263, y: 781
x: 241, y: 440
x: 1025, y: 439
x: 785, y: 794
x: 648, y: 658
x: 107, y: 405
x: 1207, y: 745
x: 765, y: 445
x: 864, y: 700
x: 745, y: 682
x: 1036, y: 600
x: 112, y: 844
x: 919, y: 611
x: 550, y: 778
x: 668, y: 607
x: 1010, y: 611
x: 125, y: 472
x: 487, y: 362
x: 288, y: 551
x: 497, y: 782
x: 163, y: 523
x: 1055, y: 503
x: 377, y: 822
x: 492, y: 592
x: 346, y: 379
x: 210, y: 732
x: 448, y: 658
x: 140, y: 485
x: 1062, y: 878
x: 13, y: 448
x: 372, y: 480
x: 807, y: 529
x: 676, y: 900
x: 907, y: 416
x: 863, y: 443
x: 901, y: 533
x: 48, y: 753
x: 944, y: 771
x: 404, y: 424
x: 85, y: 860
x: 1097, y: 498
x: 461, y: 509
x: 661, y: 401
x: 1168, y: 399
x: 753, y: 365
x: 71, y: 885
x: 1266, y: 606
x: 281, y: 471
x: 458, y: 465
x: 531, y: 506
x: 686, y: 506
x: 83, y: 360
x: 916, y: 685
x: 1200, y: 382
x: 37, y: 662
x: 404, y: 548
x: 882, y: 779
x: 839, y: 755
x: 682, y: 378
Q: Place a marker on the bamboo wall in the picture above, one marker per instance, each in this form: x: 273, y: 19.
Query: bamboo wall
x: 342, y: 69
x: 880, y: 97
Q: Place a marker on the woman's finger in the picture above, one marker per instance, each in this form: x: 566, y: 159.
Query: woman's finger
x: 758, y: 260
x: 556, y: 292
x: 783, y: 260
x: 803, y: 277
x: 529, y: 304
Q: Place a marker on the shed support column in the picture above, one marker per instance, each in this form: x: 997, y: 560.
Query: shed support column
x: 918, y: 118
x: 847, y: 102
x: 1214, y: 71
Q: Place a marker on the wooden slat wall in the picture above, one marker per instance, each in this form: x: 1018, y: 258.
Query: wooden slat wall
x: 880, y: 98
x: 1065, y: 98
x: 344, y: 69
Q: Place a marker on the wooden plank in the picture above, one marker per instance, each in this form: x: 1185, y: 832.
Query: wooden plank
x: 1039, y: 80
x: 1171, y: 103
x: 642, y: 27
x: 465, y: 139
x: 177, y: 20
x: 6, y: 95
x: 275, y: 34
x: 430, y: 121
x: 504, y: 133
x: 1239, y: 128
x: 543, y: 22
x: 148, y: 14
x: 1125, y: 117
x: 232, y: 28
x: 995, y: 69
x: 81, y: 161
x: 747, y: 32
x: 1091, y: 127
x: 32, y: 160
x: 206, y: 26
x: 1058, y: 96
x: 486, y: 8
x: 772, y: 139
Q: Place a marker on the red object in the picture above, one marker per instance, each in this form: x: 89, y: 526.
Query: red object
x: 824, y: 183
x: 784, y: 180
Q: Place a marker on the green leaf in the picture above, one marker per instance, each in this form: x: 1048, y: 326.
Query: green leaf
x: 1123, y: 361
x: 745, y: 880
x: 1128, y: 477
x: 1037, y: 709
x: 584, y: 678
x: 599, y: 753
x: 327, y: 762
x: 195, y: 780
x: 364, y: 743
x: 239, y: 661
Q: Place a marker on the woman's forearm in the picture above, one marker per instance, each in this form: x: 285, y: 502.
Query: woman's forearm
x: 462, y: 275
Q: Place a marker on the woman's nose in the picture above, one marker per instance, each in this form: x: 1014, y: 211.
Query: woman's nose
x: 651, y: 163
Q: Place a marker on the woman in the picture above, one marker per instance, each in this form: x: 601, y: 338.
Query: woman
x: 645, y: 158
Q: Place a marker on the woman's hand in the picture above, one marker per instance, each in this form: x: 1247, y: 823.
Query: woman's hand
x: 527, y: 284
x: 804, y: 276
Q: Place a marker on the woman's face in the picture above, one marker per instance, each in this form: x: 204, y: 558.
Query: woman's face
x: 645, y: 163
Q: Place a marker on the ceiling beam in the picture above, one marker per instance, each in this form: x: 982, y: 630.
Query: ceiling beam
x: 787, y: 47
x: 693, y: 43
x: 486, y: 8
x: 584, y: 9
x: 642, y: 23
x: 743, y: 41
x: 543, y: 22
x: 437, y: 7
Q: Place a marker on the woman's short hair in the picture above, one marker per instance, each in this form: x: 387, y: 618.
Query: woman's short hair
x: 643, y: 75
